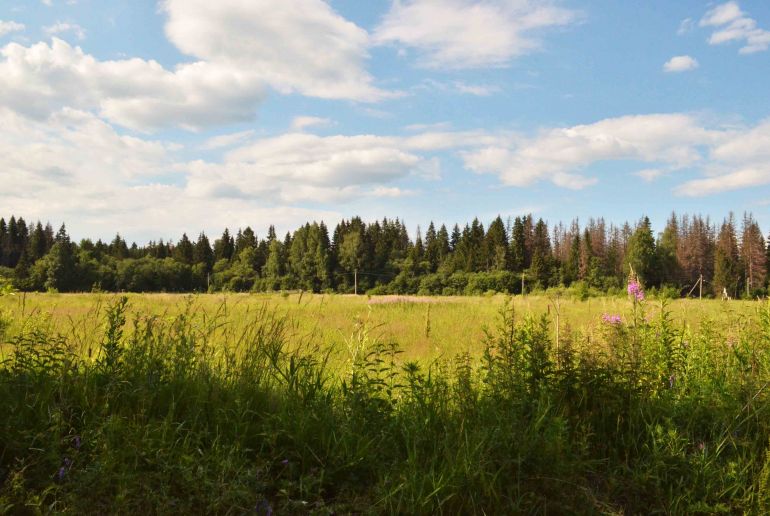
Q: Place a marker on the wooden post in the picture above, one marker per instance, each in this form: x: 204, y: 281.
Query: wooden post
x: 355, y: 282
x: 700, y: 290
x: 522, y: 283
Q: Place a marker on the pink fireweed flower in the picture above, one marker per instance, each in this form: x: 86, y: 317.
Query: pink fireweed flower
x: 635, y: 290
x: 611, y: 319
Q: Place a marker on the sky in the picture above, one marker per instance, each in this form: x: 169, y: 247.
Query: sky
x: 153, y: 118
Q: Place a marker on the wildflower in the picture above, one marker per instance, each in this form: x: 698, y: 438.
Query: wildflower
x: 613, y: 319
x: 76, y: 442
x: 63, y: 469
x: 285, y: 462
x: 265, y: 506
x: 635, y: 290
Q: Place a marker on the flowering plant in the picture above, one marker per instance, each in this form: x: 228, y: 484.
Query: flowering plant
x: 635, y: 290
x: 611, y: 319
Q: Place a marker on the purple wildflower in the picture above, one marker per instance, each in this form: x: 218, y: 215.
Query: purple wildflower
x: 635, y: 290
x: 264, y: 505
x: 76, y: 442
x: 285, y: 462
x: 611, y: 319
x: 60, y: 474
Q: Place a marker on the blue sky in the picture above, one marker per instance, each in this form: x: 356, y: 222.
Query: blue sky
x: 154, y: 118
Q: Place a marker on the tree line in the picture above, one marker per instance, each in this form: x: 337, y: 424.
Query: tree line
x: 692, y: 253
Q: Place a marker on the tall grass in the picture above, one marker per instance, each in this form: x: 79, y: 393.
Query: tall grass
x: 191, y: 413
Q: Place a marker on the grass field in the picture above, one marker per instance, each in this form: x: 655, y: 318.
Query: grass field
x: 424, y: 327
x: 273, y: 404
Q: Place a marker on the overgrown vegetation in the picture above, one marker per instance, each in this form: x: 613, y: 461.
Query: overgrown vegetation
x: 129, y: 413
x: 691, y: 256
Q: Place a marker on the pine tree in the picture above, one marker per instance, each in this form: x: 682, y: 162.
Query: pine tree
x: 454, y: 240
x: 641, y: 255
x: 518, y: 246
x: 668, y: 244
x: 542, y: 263
x: 3, y: 242
x: 245, y: 239
x: 497, y: 246
x: 118, y: 248
x: 572, y: 265
x: 224, y: 247
x: 38, y: 244
x: 183, y: 251
x: 202, y: 252
x: 727, y: 272
x: 61, y: 265
x: 753, y: 257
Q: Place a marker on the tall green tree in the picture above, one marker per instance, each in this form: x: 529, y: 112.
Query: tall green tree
x: 727, y: 269
x: 641, y: 254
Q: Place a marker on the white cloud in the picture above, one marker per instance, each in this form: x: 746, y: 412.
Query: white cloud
x: 7, y: 27
x: 75, y: 168
x: 469, y: 34
x: 227, y: 140
x: 680, y: 64
x: 298, y: 46
x: 730, y: 24
x: 393, y: 192
x: 302, y: 122
x: 41, y: 79
x: 479, y: 90
x: 685, y: 26
x: 740, y: 160
x: 650, y: 174
x: 61, y: 27
x: 735, y: 180
x: 559, y: 155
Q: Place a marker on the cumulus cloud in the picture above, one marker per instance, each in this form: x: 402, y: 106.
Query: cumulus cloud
x: 680, y: 64
x: 74, y: 167
x: 730, y: 24
x: 61, y: 27
x: 298, y: 46
x: 740, y: 160
x: 227, y: 140
x: 299, y: 123
x: 240, y: 48
x: 42, y: 79
x: 303, y: 167
x: 559, y: 155
x: 469, y: 34
x: 7, y: 27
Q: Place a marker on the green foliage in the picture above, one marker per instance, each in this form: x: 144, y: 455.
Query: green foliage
x: 641, y: 255
x: 650, y: 418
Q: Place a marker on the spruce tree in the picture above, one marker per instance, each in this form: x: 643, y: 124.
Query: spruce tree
x: 753, y: 257
x: 497, y: 246
x: 727, y: 271
x: 518, y: 246
x: 641, y: 254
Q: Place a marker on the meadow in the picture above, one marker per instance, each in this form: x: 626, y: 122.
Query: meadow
x: 333, y: 404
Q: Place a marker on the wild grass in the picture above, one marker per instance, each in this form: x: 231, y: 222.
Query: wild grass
x: 210, y: 409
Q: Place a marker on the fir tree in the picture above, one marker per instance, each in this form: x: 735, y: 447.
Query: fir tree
x: 727, y: 273
x: 641, y: 255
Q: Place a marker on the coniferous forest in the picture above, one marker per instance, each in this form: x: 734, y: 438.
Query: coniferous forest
x: 381, y: 258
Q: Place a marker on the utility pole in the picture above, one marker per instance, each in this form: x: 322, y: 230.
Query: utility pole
x: 355, y: 282
x: 522, y: 283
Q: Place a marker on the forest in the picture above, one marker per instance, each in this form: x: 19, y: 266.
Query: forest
x: 691, y: 256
